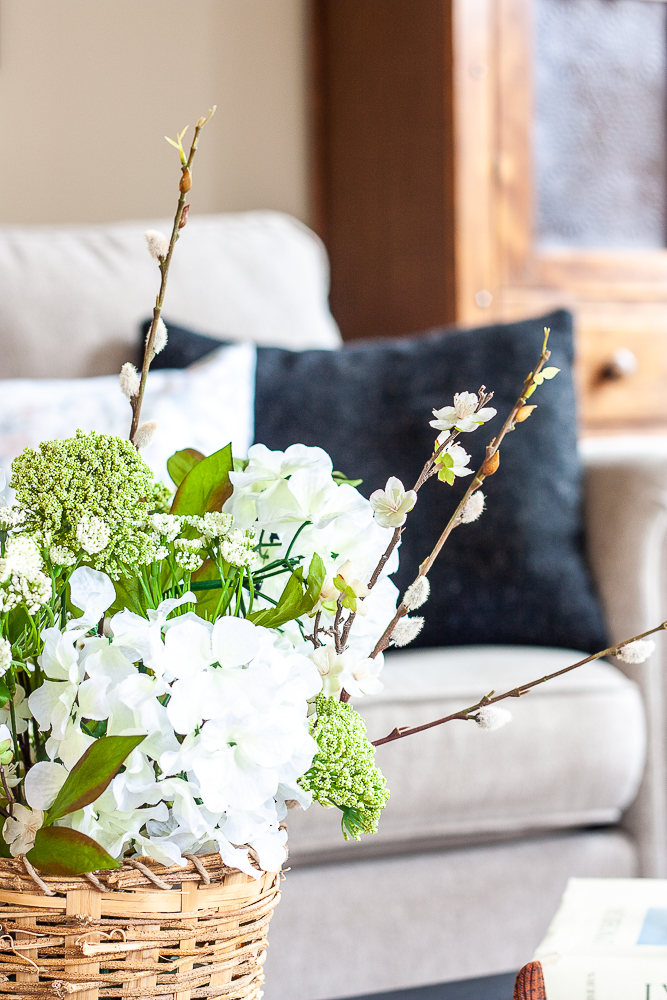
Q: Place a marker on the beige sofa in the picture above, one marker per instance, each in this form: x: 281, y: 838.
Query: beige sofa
x: 482, y: 829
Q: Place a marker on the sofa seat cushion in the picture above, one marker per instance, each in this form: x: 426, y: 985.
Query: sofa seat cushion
x: 572, y: 756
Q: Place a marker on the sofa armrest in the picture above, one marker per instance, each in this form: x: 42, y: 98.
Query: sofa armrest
x: 625, y: 488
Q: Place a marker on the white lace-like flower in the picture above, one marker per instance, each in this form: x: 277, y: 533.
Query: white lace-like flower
x: 21, y: 829
x: 213, y: 524
x: 462, y: 414
x: 167, y: 525
x: 5, y: 656
x: 637, y: 651
x: 237, y: 547
x: 129, y: 380
x: 157, y: 243
x: 144, y: 434
x: 60, y: 555
x: 22, y: 577
x: 417, y: 593
x: 473, y: 508
x: 92, y: 534
x: 491, y: 717
x: 392, y: 504
x: 190, y: 561
x: 406, y: 629
x: 11, y: 517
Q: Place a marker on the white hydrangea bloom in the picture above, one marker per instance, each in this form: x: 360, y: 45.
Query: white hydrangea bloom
x: 462, y: 415
x: 92, y: 534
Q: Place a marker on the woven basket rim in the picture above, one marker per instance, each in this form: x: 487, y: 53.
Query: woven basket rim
x: 135, y: 873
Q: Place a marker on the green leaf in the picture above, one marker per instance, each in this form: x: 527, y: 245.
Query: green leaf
x: 181, y: 463
x: 129, y: 594
x: 4, y: 693
x: 206, y: 486
x: 340, y: 478
x: 92, y: 774
x: 296, y: 599
x: 61, y: 851
x: 540, y: 377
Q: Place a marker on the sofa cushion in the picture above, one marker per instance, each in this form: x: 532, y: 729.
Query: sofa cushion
x: 517, y: 575
x: 202, y: 407
x: 72, y: 297
x: 573, y: 754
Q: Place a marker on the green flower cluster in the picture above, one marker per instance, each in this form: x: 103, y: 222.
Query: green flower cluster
x: 91, y: 492
x: 343, y: 773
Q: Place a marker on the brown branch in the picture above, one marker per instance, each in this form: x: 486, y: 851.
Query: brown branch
x: 179, y: 218
x: 484, y: 470
x: 466, y: 714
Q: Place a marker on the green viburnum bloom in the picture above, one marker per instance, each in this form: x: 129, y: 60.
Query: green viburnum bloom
x: 343, y: 772
x: 91, y: 492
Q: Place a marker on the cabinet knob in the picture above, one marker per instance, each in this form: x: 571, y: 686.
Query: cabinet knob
x: 622, y: 364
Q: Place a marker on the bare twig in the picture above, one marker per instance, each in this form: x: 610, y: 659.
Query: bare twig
x: 468, y: 714
x: 487, y: 468
x: 179, y: 221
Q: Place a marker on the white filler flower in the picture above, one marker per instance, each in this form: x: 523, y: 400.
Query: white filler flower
x: 92, y: 534
x: 5, y: 656
x: 462, y: 414
x: 637, y: 651
x: 392, y: 504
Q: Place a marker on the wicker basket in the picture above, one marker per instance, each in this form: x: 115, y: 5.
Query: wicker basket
x: 144, y: 930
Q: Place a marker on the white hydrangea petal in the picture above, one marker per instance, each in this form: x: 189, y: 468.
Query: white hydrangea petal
x: 235, y: 641
x: 93, y: 593
x: 42, y: 784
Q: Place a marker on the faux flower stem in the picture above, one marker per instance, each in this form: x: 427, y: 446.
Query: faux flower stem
x: 485, y: 469
x: 467, y: 714
x: 137, y: 400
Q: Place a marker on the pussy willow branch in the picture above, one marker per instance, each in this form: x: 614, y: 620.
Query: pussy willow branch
x: 487, y: 468
x: 183, y: 187
x: 468, y: 714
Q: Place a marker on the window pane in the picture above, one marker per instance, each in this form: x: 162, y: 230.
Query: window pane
x: 600, y: 125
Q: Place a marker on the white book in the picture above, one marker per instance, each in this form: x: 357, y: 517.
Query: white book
x: 608, y: 941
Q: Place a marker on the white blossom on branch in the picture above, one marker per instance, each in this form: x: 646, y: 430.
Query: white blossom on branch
x: 462, y: 415
x: 392, y: 504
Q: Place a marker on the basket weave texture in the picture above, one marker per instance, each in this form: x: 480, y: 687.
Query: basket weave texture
x: 144, y: 930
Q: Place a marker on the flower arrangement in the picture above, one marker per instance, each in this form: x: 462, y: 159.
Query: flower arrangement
x: 177, y: 663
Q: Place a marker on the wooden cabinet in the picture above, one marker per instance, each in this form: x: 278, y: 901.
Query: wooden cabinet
x: 423, y: 181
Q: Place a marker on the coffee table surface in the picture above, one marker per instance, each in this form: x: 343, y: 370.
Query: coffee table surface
x: 488, y: 988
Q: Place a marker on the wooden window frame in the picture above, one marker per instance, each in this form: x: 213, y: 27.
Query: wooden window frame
x: 619, y: 298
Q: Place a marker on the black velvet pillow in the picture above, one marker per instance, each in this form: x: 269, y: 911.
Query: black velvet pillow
x: 515, y: 576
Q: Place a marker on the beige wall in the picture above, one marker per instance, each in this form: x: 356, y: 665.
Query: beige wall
x: 88, y: 88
